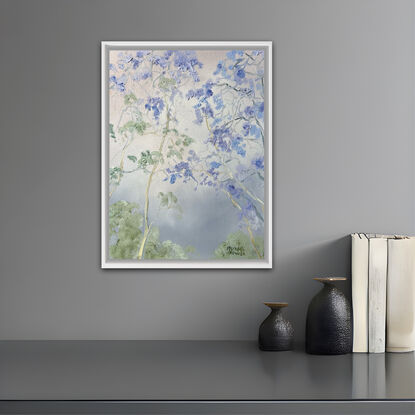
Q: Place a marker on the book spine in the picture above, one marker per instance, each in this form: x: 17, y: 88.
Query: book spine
x: 400, y: 316
x: 360, y: 267
x: 378, y: 259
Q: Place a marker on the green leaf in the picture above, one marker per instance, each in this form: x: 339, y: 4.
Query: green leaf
x: 170, y: 201
x: 112, y: 133
x: 157, y: 156
x: 146, y: 159
x: 166, y: 83
x: 131, y: 126
x: 130, y: 99
x: 187, y: 141
x: 132, y: 158
x: 115, y: 174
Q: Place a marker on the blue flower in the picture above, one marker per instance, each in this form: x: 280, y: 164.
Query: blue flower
x: 232, y: 54
x: 184, y: 168
x: 260, y: 110
x: 172, y: 179
x: 145, y: 75
x: 142, y: 53
x: 119, y: 83
x: 207, y: 110
x: 249, y: 111
x: 186, y: 61
x: 255, y: 131
x: 218, y: 101
x: 234, y: 191
x: 199, y: 118
x: 219, y: 68
x: 237, y: 145
x: 258, y: 163
x: 156, y: 105
x: 240, y: 73
x: 214, y: 164
x: 246, y: 128
x: 160, y: 61
x: 220, y: 138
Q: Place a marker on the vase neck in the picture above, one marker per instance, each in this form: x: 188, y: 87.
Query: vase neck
x: 328, y: 285
x: 276, y: 313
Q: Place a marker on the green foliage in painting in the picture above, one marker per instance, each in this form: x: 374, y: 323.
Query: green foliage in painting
x: 134, y: 126
x: 174, y: 153
x: 239, y: 245
x: 166, y: 83
x: 155, y: 249
x: 170, y: 201
x: 112, y: 133
x: 125, y: 224
x: 187, y: 140
x: 115, y: 174
x: 130, y: 99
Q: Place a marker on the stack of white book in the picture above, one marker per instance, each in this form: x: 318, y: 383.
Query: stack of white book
x: 383, y: 293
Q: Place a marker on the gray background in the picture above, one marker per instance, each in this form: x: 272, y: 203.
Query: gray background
x: 343, y: 161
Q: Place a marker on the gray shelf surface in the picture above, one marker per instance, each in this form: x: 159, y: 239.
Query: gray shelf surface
x: 196, y: 371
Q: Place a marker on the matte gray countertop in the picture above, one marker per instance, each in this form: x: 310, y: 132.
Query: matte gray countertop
x: 195, y: 370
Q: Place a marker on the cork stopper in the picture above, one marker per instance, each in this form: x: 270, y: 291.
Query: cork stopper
x: 274, y: 305
x: 329, y: 279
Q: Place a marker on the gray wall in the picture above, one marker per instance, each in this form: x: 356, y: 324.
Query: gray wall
x: 343, y: 161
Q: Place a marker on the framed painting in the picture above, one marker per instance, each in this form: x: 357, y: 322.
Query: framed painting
x: 186, y: 155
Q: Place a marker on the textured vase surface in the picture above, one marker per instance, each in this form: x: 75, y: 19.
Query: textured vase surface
x: 329, y: 321
x: 275, y: 332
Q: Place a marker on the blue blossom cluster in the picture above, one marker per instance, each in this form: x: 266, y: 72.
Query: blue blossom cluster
x: 186, y: 61
x: 156, y: 105
x: 118, y: 83
x: 202, y: 106
x: 180, y: 170
x: 238, y: 145
x: 251, y: 129
x: 258, y: 162
x: 223, y: 140
x: 213, y: 170
x: 175, y: 65
x: 234, y: 191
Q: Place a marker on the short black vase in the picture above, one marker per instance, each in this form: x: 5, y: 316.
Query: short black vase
x: 275, y: 332
x: 329, y: 321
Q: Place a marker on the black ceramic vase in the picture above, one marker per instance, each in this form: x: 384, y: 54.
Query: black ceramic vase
x: 329, y: 321
x: 275, y: 332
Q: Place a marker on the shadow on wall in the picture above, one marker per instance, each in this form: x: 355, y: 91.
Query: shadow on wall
x: 297, y: 268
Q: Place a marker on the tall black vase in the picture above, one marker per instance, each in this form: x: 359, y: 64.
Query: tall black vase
x: 329, y: 321
x: 275, y: 332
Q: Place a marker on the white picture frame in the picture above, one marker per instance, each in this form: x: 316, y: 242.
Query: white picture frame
x: 260, y: 263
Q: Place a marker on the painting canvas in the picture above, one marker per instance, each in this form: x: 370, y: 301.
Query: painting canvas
x: 186, y: 155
